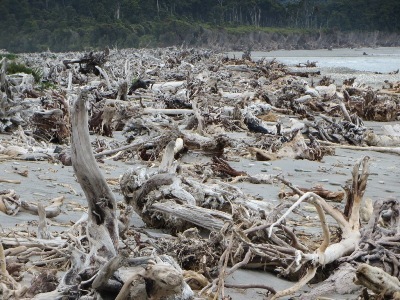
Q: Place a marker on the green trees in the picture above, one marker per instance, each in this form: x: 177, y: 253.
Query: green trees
x: 60, y: 25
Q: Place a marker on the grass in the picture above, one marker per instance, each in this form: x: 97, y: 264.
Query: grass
x: 47, y: 86
x: 14, y: 68
x: 9, y: 56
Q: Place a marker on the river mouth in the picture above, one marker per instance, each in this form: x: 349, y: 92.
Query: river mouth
x: 370, y: 66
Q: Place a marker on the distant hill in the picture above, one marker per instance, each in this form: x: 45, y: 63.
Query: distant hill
x: 61, y: 25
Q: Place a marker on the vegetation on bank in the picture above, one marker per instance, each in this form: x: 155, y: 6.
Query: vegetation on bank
x: 14, y: 68
x: 61, y: 25
x: 9, y: 56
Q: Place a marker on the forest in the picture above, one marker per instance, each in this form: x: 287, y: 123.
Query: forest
x: 64, y: 25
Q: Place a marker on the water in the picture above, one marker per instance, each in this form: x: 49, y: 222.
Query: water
x: 382, y: 60
x: 371, y: 69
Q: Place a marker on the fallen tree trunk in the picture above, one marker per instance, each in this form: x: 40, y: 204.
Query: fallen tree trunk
x: 202, y: 217
x: 378, y: 281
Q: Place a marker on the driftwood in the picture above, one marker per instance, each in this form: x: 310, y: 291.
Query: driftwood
x: 89, y: 62
x: 297, y: 148
x: 43, y: 231
x: 305, y: 73
x: 390, y: 150
x: 51, y: 211
x: 102, y: 225
x: 320, y: 191
x: 102, y: 229
x: 229, y: 109
x: 52, y: 125
x: 9, y: 202
x: 371, y: 105
x: 378, y: 281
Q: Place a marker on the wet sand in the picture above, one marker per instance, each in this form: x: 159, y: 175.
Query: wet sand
x: 48, y: 180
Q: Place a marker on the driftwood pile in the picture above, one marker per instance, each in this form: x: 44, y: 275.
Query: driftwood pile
x: 162, y: 106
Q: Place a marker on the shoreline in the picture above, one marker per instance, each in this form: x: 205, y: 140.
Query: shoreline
x: 199, y: 178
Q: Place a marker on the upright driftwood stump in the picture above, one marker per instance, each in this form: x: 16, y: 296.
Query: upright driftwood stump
x: 102, y: 222
x: 93, y: 273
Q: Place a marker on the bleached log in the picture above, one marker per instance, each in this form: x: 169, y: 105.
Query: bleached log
x: 240, y: 68
x: 166, y: 111
x: 202, y: 217
x: 389, y: 150
x: 381, y: 140
x: 32, y: 242
x: 167, y: 86
x: 378, y: 281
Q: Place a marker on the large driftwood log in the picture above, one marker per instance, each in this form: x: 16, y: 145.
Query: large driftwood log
x: 102, y: 222
x: 378, y: 281
x: 202, y: 217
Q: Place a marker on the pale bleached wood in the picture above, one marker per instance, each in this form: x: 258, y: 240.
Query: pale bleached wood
x: 52, y: 210
x: 378, y: 281
x: 202, y: 217
x: 166, y: 111
x: 105, y: 75
x: 102, y: 222
x: 43, y: 231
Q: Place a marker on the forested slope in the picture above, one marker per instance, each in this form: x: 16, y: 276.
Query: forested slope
x: 60, y: 25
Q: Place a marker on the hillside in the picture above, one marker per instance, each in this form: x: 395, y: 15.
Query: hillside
x: 61, y: 25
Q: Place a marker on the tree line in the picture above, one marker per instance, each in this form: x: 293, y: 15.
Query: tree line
x: 62, y: 25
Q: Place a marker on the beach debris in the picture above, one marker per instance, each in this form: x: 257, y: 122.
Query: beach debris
x: 89, y: 61
x: 378, y: 281
x: 181, y: 117
x: 51, y: 211
x: 9, y: 202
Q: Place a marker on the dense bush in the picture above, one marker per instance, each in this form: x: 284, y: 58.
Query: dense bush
x: 60, y: 25
x: 14, y: 68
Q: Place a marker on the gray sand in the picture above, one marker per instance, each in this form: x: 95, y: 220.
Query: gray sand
x: 46, y: 181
